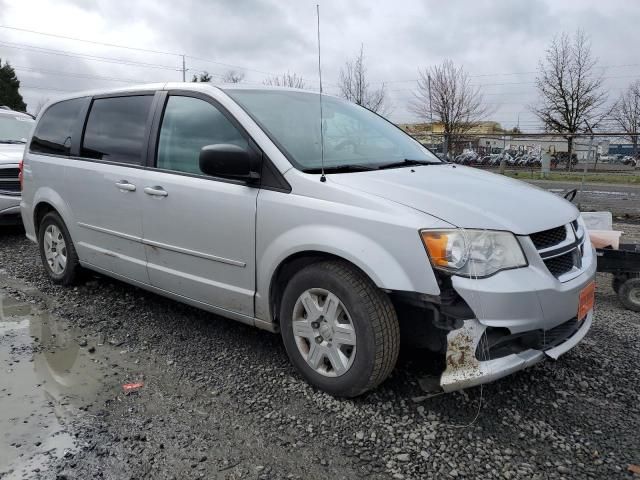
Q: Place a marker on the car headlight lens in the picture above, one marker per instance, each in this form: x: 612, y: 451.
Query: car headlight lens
x: 473, y: 253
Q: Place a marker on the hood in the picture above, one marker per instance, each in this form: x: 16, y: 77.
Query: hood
x: 466, y: 197
x: 10, y: 153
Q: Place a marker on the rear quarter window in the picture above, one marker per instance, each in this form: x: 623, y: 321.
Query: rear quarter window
x: 54, y: 130
x: 115, y: 129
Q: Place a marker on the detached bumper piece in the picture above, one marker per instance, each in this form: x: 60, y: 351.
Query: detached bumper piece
x: 476, y: 356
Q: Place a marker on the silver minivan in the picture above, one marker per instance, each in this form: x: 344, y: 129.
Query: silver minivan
x: 335, y: 229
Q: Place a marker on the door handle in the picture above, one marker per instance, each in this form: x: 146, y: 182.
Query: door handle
x: 124, y: 185
x: 155, y: 191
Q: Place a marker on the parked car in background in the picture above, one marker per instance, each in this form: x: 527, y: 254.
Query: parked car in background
x: 15, y: 128
x: 561, y: 158
x: 344, y: 235
x: 468, y: 157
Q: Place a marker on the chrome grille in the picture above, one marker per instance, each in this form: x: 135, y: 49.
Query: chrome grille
x: 9, y: 181
x: 560, y: 248
x: 560, y: 265
x: 9, y: 173
x: 549, y: 238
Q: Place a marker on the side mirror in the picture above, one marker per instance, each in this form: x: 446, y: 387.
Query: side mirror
x: 229, y: 161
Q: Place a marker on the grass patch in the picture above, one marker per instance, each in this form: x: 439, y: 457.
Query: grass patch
x: 631, y: 178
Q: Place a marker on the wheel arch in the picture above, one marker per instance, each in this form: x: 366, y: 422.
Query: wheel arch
x: 40, y: 210
x: 47, y: 200
x: 288, y: 268
x: 369, y: 257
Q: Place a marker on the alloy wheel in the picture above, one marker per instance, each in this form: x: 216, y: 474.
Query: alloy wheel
x: 324, y: 332
x: 55, y: 249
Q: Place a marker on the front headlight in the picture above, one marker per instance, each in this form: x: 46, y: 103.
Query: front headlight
x: 473, y: 253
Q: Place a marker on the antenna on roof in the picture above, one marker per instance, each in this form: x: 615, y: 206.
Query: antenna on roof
x: 322, y: 177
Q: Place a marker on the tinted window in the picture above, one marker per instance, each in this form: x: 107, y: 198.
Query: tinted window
x: 188, y: 125
x: 54, y: 130
x: 115, y: 129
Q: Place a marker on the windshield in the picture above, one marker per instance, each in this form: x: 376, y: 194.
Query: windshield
x: 353, y: 136
x: 15, y: 129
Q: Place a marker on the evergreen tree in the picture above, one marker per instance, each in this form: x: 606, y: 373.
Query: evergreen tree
x: 9, y: 85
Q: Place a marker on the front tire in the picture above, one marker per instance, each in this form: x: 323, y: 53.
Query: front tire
x: 57, y: 252
x: 340, y: 331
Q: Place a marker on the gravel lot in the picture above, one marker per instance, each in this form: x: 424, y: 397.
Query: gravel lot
x: 220, y: 400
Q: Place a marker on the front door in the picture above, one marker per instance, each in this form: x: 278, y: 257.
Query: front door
x: 199, y: 231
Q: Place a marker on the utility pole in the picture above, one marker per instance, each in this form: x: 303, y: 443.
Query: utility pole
x: 184, y: 70
x: 430, y: 110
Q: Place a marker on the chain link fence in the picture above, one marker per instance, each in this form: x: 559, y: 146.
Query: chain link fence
x: 612, y: 152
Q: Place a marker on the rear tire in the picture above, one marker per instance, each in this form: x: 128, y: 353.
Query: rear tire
x: 617, y: 281
x: 629, y: 294
x: 364, y: 340
x: 57, y: 252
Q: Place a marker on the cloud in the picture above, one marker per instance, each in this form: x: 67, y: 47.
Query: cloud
x: 262, y: 37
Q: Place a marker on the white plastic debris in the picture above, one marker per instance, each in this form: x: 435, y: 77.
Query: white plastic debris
x: 598, y: 220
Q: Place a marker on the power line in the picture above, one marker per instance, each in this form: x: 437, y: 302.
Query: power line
x: 77, y: 75
x: 76, y: 39
x: 533, y: 72
x: 34, y: 87
x: 113, y: 45
x: 67, y: 53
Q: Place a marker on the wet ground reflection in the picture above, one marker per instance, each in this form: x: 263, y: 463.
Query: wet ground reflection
x: 47, y: 376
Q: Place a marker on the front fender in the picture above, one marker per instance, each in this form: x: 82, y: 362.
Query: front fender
x: 368, y: 254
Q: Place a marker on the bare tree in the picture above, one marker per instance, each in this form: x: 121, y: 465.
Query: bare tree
x: 355, y: 88
x: 232, y: 76
x: 285, y: 80
x: 571, y: 94
x: 626, y: 113
x: 202, y: 77
x: 444, y: 93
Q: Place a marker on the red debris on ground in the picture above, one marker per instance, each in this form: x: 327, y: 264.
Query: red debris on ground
x: 132, y: 387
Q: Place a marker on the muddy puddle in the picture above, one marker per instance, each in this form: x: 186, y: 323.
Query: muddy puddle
x: 49, y: 373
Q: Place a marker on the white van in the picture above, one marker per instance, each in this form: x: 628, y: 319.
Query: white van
x: 15, y: 128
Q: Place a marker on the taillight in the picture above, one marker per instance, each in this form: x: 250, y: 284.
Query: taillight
x: 20, y: 174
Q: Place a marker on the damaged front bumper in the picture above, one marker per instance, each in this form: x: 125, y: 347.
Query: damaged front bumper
x: 521, y: 316
x: 464, y: 370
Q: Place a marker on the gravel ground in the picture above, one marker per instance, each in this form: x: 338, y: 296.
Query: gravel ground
x: 220, y: 399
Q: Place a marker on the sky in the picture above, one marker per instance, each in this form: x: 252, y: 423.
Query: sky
x: 498, y: 42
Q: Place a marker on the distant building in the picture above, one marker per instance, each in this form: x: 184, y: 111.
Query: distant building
x: 437, y: 128
x: 621, y: 149
x: 490, y: 137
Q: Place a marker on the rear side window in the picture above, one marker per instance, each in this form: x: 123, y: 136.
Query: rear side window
x: 54, y: 130
x: 115, y: 129
x: 188, y: 125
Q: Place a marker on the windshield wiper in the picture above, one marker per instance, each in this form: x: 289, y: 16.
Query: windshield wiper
x: 12, y: 142
x: 407, y: 162
x: 340, y: 168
